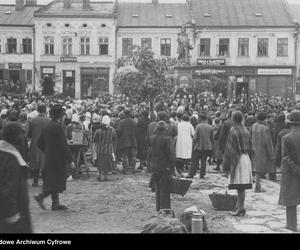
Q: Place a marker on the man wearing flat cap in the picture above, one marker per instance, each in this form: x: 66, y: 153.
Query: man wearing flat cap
x: 290, y: 171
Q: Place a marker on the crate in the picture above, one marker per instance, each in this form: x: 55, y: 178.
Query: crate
x: 180, y: 186
x: 225, y: 202
x: 78, y: 136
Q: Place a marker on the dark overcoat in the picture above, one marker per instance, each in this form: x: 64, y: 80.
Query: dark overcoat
x: 141, y: 136
x: 53, y: 143
x: 13, y: 195
x: 36, y: 125
x: 127, y: 134
x: 290, y: 169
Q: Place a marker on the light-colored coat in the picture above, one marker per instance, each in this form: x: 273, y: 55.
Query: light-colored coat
x: 184, y: 144
x: 264, y: 155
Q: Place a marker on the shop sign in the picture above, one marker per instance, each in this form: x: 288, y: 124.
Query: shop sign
x: 15, y: 65
x: 47, y: 70
x: 201, y: 61
x: 68, y: 59
x: 209, y: 71
x: 274, y: 71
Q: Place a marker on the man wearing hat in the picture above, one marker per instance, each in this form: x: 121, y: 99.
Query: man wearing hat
x: 290, y: 171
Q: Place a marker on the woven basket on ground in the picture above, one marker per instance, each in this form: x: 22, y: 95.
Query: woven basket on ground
x: 226, y: 202
x: 180, y: 186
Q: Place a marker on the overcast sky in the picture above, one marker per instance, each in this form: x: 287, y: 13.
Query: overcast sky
x: 172, y: 1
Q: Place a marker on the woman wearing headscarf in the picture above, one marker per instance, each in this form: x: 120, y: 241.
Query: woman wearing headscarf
x: 14, y: 201
x: 106, y: 143
x: 237, y: 161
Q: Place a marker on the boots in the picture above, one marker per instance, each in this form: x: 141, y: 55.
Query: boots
x: 39, y: 198
x: 55, y: 203
x: 291, y: 218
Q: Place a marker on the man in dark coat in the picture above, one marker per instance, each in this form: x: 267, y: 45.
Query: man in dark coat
x: 53, y: 143
x: 14, y: 201
x: 162, y: 165
x: 290, y: 171
x: 126, y: 132
x: 37, y: 158
x: 141, y: 136
x: 224, y: 133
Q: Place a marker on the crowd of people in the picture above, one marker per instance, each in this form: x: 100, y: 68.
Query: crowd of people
x: 168, y: 136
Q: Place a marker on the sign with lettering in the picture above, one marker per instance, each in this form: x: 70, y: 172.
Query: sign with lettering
x: 274, y: 71
x: 15, y: 66
x: 201, y: 61
x: 68, y: 59
x: 209, y: 71
x: 47, y: 70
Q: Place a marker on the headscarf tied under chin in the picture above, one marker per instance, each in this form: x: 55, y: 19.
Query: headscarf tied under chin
x: 106, y: 120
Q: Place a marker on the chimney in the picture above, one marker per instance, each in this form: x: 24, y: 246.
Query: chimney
x: 67, y: 4
x: 20, y: 5
x: 31, y: 3
x: 155, y: 1
x: 85, y: 4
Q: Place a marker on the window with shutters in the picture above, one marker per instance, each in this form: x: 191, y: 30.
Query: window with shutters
x: 84, y: 45
x: 49, y: 45
x: 26, y: 45
x: 126, y: 44
x: 204, y: 47
x: 262, y: 46
x: 11, y: 46
x: 67, y: 45
x: 224, y: 47
x: 165, y: 47
x: 103, y: 45
x: 243, y: 47
x: 146, y: 43
x: 282, y: 47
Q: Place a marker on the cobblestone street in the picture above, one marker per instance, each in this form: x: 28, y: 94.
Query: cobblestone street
x: 125, y: 205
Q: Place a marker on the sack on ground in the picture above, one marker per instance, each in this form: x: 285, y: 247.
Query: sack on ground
x: 162, y: 224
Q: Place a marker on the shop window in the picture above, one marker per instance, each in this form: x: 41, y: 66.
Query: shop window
x: 204, y: 47
x: 282, y: 47
x: 262, y: 46
x: 146, y: 43
x: 67, y: 45
x: 223, y: 47
x: 243, y: 47
x: 85, y: 45
x: 11, y: 46
x: 26, y: 46
x: 126, y: 44
x: 49, y: 45
x: 165, y: 47
x: 103, y: 45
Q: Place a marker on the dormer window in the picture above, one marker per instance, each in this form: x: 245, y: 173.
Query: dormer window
x: 67, y: 25
x: 103, y: 25
x: 84, y: 25
x: 49, y: 24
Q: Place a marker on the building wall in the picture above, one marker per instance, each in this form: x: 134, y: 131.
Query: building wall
x: 214, y: 35
x: 94, y: 30
x: 26, y: 60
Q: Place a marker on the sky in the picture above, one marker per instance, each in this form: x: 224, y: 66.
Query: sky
x: 172, y: 1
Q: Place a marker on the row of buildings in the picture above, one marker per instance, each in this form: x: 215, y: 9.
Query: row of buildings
x: 251, y: 44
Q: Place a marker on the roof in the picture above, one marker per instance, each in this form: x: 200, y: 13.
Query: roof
x: 152, y: 15
x: 17, y: 17
x: 241, y: 13
x: 295, y: 11
x: 97, y: 9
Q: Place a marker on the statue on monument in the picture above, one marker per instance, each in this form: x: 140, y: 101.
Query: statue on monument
x: 184, y: 45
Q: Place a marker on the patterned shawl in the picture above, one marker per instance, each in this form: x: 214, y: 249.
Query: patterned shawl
x: 238, y: 143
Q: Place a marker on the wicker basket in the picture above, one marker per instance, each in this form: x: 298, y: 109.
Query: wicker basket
x: 225, y: 202
x: 180, y: 186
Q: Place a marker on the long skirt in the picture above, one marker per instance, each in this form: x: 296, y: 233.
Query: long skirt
x: 242, y: 177
x: 105, y: 163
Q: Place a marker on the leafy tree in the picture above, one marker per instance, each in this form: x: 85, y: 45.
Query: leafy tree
x: 143, y: 77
